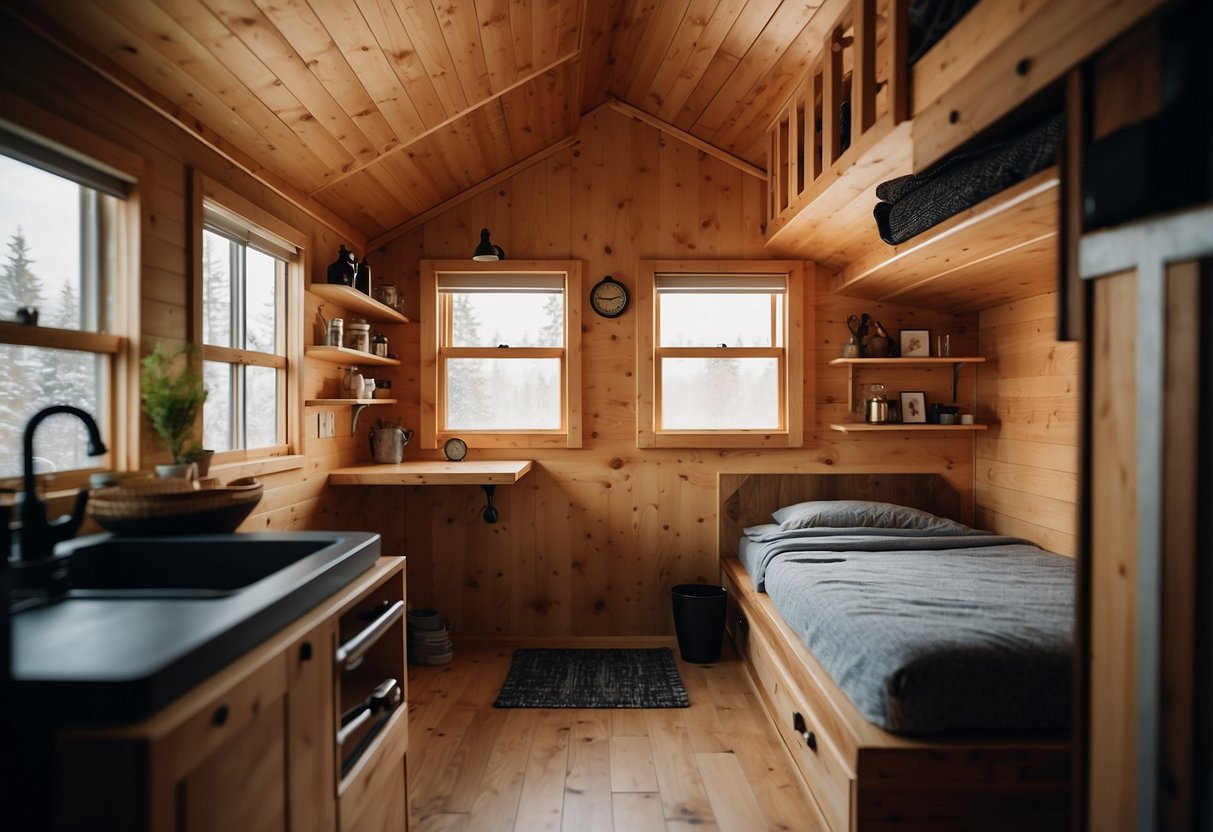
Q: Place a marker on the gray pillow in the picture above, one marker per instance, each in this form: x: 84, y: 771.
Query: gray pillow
x: 850, y: 514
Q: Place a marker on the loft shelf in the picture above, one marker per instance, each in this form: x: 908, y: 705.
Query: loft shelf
x: 864, y: 427
x: 479, y: 472
x: 344, y: 355
x: 349, y: 298
x: 1002, y: 249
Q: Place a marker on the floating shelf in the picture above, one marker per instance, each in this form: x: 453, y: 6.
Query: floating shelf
x: 955, y: 361
x: 479, y: 472
x: 356, y: 405
x: 864, y: 427
x: 353, y: 300
x: 344, y: 355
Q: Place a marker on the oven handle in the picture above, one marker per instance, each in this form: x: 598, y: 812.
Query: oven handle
x: 349, y: 655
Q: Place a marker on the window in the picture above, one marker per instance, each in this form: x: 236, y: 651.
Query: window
x: 504, y: 339
x: 721, y: 360
x: 66, y: 224
x: 250, y: 276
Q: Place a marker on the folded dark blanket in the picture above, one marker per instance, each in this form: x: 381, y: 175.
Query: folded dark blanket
x: 930, y: 20
x: 912, y: 204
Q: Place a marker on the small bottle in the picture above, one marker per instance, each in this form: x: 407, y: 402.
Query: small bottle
x: 362, y: 278
x: 379, y: 345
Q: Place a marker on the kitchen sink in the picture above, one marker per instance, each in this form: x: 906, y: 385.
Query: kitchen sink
x: 203, y: 566
x: 138, y: 621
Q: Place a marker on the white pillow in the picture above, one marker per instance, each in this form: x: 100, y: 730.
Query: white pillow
x: 850, y: 514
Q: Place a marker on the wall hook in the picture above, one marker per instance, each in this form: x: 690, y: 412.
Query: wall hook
x: 490, y: 513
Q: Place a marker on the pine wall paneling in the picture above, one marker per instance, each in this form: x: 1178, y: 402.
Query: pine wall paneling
x: 1027, y: 462
x: 592, y: 539
x: 295, y: 499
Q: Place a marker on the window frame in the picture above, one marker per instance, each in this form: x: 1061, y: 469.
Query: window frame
x: 434, y: 355
x: 267, y: 229
x: 45, y: 140
x: 649, y: 353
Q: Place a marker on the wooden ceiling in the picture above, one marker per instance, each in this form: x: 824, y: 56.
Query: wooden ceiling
x: 381, y: 110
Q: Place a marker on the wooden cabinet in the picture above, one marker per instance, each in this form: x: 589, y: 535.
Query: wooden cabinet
x: 254, y: 747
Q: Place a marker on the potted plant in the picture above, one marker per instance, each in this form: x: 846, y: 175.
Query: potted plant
x: 172, y: 391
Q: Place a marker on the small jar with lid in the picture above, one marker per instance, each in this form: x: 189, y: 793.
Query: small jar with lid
x: 336, y: 333
x: 359, y: 337
x: 379, y: 345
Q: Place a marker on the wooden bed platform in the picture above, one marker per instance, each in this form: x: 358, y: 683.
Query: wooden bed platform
x: 864, y: 778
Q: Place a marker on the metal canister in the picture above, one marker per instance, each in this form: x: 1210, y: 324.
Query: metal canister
x: 359, y: 337
x: 379, y: 345
x: 336, y: 333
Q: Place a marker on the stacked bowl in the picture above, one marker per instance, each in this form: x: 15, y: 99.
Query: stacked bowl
x: 429, y: 638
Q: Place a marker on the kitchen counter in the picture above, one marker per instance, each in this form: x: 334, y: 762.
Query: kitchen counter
x: 118, y: 655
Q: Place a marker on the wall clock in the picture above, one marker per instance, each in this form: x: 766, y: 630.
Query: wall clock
x: 609, y: 297
x: 455, y: 449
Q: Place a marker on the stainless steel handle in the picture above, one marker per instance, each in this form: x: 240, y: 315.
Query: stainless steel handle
x: 349, y: 655
x: 353, y: 725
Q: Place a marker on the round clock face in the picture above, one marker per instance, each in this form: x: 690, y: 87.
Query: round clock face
x: 455, y: 449
x: 609, y: 297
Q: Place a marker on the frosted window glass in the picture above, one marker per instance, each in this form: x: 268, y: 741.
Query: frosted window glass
x: 719, y: 394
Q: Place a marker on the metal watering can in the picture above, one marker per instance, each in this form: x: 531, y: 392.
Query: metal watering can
x: 387, y: 443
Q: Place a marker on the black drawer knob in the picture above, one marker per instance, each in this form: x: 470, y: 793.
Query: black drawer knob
x: 220, y: 715
x: 305, y: 651
x: 801, y: 727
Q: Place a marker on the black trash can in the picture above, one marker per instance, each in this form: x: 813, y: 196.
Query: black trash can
x: 699, y: 621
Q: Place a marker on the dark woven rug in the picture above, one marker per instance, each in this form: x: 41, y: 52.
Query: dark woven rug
x: 565, y: 678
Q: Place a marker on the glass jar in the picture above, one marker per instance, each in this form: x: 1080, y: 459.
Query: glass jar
x: 359, y: 337
x: 336, y: 333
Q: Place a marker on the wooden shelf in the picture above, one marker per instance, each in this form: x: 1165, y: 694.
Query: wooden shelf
x: 864, y: 427
x: 907, y: 362
x: 953, y: 361
x: 335, y: 402
x: 356, y: 405
x: 999, y: 250
x: 479, y: 472
x: 353, y: 300
x: 344, y: 355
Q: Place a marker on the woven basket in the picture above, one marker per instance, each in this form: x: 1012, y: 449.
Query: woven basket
x: 174, y: 506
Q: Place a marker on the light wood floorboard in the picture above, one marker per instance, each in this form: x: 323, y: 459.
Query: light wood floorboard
x: 718, y: 764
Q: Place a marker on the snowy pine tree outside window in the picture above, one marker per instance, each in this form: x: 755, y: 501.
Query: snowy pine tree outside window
x: 58, y: 223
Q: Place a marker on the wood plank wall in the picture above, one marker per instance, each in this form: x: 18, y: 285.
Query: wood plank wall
x: 1028, y: 390
x: 592, y: 539
x: 33, y: 73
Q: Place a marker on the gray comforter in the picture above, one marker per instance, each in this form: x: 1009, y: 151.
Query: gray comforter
x: 928, y: 633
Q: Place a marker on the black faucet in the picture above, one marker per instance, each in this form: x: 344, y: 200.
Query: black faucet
x: 37, y: 536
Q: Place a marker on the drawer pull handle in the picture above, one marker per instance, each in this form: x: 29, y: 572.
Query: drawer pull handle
x: 802, y: 728
x: 349, y: 655
x: 220, y: 715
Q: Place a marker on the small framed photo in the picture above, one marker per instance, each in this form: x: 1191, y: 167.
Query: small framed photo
x: 916, y: 343
x: 914, y: 407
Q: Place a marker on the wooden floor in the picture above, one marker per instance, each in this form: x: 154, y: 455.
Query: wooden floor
x: 716, y: 765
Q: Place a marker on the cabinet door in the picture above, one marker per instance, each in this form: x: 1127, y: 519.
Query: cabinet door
x: 311, y: 726
x: 242, y: 784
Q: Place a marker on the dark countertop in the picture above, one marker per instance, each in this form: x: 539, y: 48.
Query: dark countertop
x: 116, y: 659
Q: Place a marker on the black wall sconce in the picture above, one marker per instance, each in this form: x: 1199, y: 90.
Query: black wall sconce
x: 486, y: 250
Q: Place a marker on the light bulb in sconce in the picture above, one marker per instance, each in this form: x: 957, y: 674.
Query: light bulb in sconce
x: 486, y: 250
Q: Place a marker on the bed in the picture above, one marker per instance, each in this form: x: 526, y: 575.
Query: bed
x: 939, y: 739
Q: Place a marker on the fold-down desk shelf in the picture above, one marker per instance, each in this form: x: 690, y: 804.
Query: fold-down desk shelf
x: 479, y: 472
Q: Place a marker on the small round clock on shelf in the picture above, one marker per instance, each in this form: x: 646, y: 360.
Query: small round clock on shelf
x: 455, y: 449
x: 609, y: 297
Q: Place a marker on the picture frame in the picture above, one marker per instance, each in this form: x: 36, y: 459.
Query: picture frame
x: 915, y: 343
x: 913, y: 407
